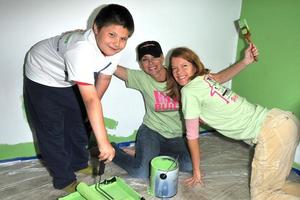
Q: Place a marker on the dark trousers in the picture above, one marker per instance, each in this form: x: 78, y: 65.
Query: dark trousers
x: 57, y: 119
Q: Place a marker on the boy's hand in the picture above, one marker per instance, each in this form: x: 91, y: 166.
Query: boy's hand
x: 107, y: 152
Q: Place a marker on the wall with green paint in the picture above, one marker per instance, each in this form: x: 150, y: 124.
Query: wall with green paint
x: 123, y: 105
x: 30, y: 149
x: 275, y: 79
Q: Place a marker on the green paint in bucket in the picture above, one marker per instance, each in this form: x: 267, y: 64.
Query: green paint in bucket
x: 163, y: 177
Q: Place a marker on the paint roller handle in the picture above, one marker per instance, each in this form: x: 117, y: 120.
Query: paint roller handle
x: 95, y: 153
x: 101, y: 167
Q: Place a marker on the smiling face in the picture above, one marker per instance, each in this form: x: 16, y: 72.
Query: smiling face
x: 111, y: 39
x: 182, y: 70
x: 154, y: 66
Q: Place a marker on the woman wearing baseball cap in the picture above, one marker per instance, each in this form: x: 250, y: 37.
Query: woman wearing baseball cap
x: 161, y: 132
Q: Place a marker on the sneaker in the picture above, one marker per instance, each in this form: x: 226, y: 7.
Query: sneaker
x: 87, y: 171
x: 71, y: 187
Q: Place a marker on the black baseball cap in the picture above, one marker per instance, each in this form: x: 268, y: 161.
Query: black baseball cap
x: 149, y: 47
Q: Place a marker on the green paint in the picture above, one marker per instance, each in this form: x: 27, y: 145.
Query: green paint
x: 164, y: 163
x: 88, y: 193
x: 161, y: 164
x: 17, y: 150
x: 30, y: 149
x: 113, y: 138
x: 119, y: 139
x: 110, y: 123
x: 243, y: 26
x: 274, y: 80
x: 115, y: 187
x: 296, y: 165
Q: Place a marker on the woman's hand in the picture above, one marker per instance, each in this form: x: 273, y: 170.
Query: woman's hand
x: 251, y: 54
x: 196, y: 179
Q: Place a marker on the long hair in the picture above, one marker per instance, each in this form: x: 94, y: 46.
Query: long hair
x: 173, y: 88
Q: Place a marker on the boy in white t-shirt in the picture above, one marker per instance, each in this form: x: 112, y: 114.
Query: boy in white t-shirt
x: 59, y: 69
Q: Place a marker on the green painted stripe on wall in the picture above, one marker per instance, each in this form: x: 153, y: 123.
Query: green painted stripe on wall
x: 296, y: 165
x: 110, y: 123
x: 17, y: 150
x: 29, y: 149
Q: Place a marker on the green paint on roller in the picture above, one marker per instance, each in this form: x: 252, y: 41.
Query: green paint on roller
x: 113, y: 188
x: 87, y: 192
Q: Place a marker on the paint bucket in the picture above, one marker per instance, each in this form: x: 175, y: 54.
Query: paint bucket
x: 163, y: 177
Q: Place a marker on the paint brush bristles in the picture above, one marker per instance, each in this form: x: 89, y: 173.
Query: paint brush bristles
x: 245, y: 30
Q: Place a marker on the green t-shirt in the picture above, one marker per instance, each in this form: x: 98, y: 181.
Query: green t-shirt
x: 161, y: 112
x: 221, y: 108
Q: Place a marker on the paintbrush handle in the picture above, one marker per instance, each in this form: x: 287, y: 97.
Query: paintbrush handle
x: 247, y: 36
x: 248, y: 39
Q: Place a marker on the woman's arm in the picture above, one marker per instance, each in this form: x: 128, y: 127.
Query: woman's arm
x: 227, y: 74
x: 121, y: 73
x: 192, y: 128
x: 102, y: 84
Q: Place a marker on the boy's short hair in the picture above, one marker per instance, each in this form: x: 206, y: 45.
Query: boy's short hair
x: 115, y: 14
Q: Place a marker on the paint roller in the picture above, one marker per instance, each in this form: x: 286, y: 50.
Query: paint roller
x: 85, y: 191
x: 244, y: 28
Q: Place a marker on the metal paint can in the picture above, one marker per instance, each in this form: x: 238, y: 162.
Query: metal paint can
x: 164, y: 177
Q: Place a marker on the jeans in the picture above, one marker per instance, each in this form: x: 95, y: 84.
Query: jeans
x: 150, y: 144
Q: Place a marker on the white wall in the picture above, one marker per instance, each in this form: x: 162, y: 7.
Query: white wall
x: 205, y: 26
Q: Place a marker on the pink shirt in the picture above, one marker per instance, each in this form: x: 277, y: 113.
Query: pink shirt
x: 192, y: 128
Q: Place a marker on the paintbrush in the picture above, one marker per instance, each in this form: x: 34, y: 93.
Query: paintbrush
x: 244, y: 28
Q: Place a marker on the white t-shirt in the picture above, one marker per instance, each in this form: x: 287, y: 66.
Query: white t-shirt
x: 73, y: 56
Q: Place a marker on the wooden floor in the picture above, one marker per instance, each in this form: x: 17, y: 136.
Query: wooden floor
x: 224, y: 162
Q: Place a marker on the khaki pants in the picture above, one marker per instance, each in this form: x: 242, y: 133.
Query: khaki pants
x: 273, y: 158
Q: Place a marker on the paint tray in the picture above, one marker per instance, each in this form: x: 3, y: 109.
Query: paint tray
x: 113, y: 188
